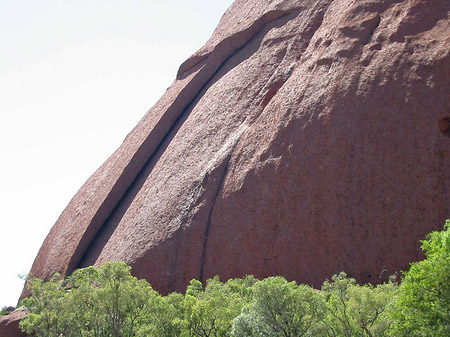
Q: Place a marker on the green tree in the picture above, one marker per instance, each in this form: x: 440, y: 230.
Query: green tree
x: 210, y: 313
x: 86, y: 317
x: 92, y: 302
x: 122, y: 297
x: 422, y: 307
x: 166, y: 318
x: 46, y: 308
x: 354, y: 310
x: 279, y: 308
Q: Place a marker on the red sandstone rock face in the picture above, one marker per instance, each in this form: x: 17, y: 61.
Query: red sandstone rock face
x: 305, y: 138
x: 9, y: 325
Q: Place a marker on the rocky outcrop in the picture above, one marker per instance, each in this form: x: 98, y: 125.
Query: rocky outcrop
x: 9, y: 324
x: 305, y: 138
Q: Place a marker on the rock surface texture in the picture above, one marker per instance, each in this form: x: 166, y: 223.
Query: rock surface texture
x: 9, y: 325
x: 305, y: 138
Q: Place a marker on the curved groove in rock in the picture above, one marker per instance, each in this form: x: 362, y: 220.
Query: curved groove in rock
x: 223, y: 174
x: 208, y: 223
x: 230, y: 44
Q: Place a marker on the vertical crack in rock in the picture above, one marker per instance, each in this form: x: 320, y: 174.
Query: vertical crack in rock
x: 208, y: 222
x: 229, y: 150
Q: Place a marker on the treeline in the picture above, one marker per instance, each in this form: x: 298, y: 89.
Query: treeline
x: 109, y: 301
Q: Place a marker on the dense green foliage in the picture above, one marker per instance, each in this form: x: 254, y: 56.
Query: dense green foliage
x: 109, y: 301
x: 92, y: 302
x: 279, y: 308
x: 354, y: 310
x: 423, y: 303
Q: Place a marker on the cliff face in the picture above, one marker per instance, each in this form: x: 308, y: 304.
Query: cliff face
x: 305, y: 138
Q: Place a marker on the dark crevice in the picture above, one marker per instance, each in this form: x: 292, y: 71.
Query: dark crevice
x: 172, y: 279
x: 112, y: 220
x: 372, y: 32
x: 444, y: 126
x: 273, y: 90
x: 177, y: 238
x: 208, y: 222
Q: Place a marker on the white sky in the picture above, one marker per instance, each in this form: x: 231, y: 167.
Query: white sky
x: 75, y: 78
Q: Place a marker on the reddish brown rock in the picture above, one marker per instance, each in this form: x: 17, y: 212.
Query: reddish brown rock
x: 9, y: 324
x: 305, y: 138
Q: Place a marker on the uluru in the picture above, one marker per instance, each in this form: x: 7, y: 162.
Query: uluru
x: 303, y: 139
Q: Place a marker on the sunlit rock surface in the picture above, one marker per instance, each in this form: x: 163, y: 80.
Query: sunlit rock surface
x: 305, y: 138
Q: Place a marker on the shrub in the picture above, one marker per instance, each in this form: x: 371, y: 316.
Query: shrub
x: 422, y: 307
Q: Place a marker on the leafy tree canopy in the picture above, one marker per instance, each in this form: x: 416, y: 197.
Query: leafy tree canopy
x: 422, y: 307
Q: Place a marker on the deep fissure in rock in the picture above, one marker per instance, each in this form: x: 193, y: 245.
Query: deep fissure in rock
x: 444, y: 126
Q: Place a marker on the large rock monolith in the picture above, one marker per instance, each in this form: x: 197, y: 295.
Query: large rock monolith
x: 305, y: 138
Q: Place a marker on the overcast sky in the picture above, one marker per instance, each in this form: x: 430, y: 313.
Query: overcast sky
x: 75, y: 78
